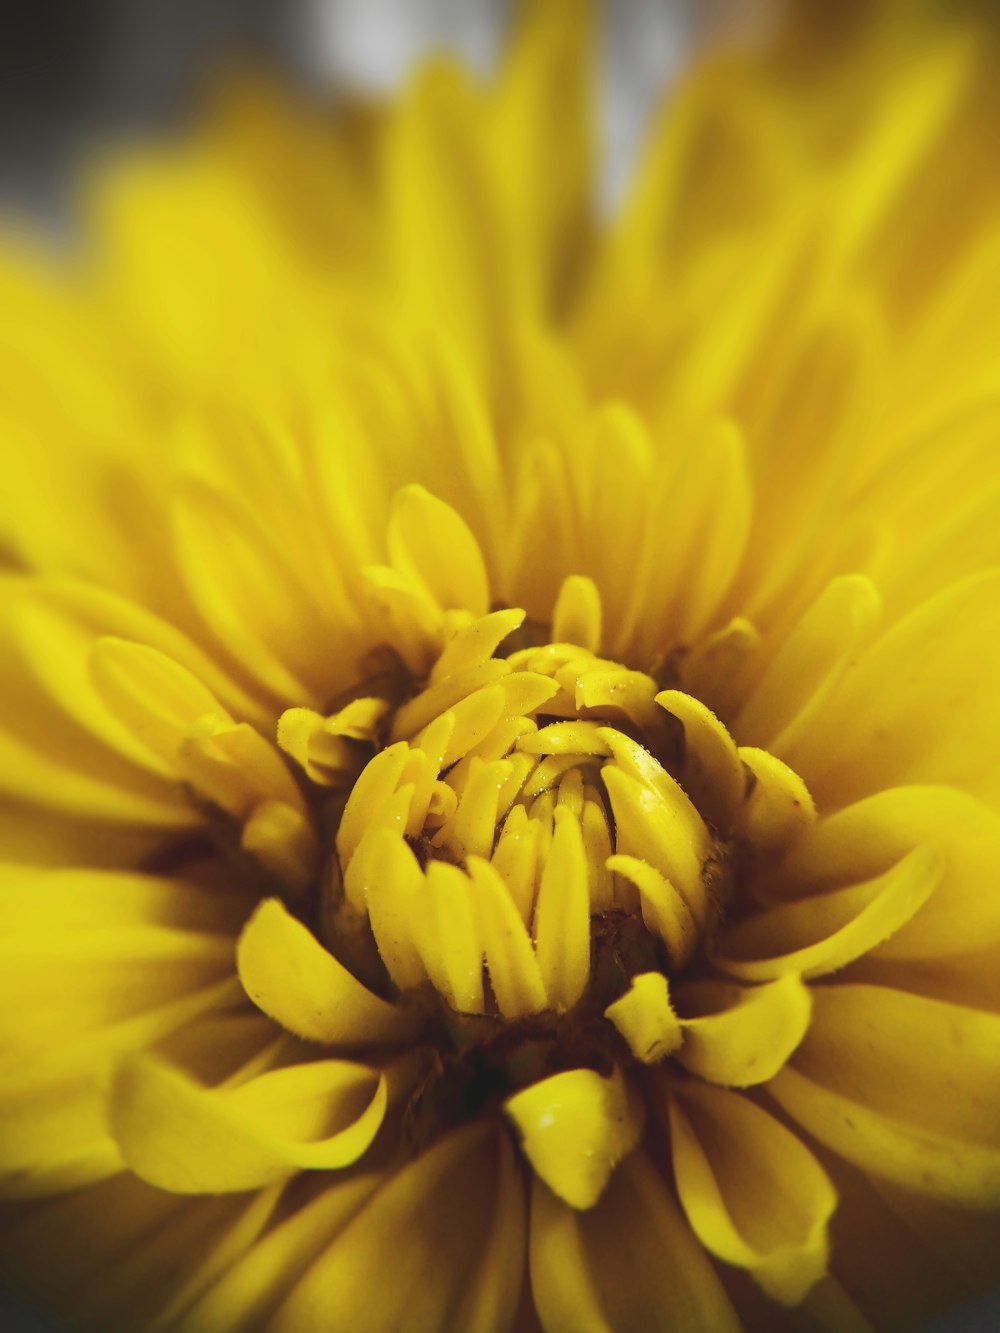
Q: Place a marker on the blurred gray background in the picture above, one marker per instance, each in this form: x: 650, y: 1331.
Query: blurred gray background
x: 74, y: 77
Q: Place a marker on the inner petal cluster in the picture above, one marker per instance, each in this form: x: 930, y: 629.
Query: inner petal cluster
x: 521, y: 810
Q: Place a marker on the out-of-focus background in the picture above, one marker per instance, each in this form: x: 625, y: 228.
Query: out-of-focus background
x: 77, y: 79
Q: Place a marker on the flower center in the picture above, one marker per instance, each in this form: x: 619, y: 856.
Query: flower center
x: 532, y: 827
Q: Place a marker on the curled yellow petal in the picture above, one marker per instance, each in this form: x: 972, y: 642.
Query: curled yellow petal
x: 712, y: 773
x: 294, y: 980
x: 645, y: 1018
x: 475, y: 643
x: 664, y: 911
x: 575, y: 1128
x: 778, y: 808
x: 753, y: 1192
x: 750, y: 1039
x: 823, y: 933
x: 327, y: 748
x: 189, y: 1139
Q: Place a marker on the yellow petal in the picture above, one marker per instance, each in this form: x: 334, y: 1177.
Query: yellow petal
x: 753, y: 1193
x: 825, y: 932
x: 193, y: 1140
x: 898, y: 141
x: 712, y: 773
x: 866, y: 839
x: 749, y: 1039
x: 281, y: 838
x: 56, y: 622
x: 294, y: 980
x: 778, y: 807
x: 391, y: 815
x: 475, y: 643
x: 810, y: 664
x: 448, y: 937
x: 462, y: 1198
x: 256, y: 603
x: 408, y: 620
x: 576, y: 738
x: 657, y: 823
x: 371, y: 791
x: 917, y: 706
x: 326, y: 747
x: 178, y: 718
x: 444, y: 241
x: 543, y: 147
x: 702, y: 526
x: 515, y: 860
x: 106, y: 974
x: 53, y: 1128
x: 646, y: 1019
x: 430, y: 543
x: 252, y: 1288
x: 395, y: 900
x: 629, y: 1265
x: 562, y: 916
x: 136, y: 1246
x: 514, y: 971
x: 664, y: 911
x: 422, y: 710
x: 472, y: 830
x: 225, y: 1248
x: 904, y: 1087
x: 55, y: 761
x: 577, y: 615
x: 575, y: 1128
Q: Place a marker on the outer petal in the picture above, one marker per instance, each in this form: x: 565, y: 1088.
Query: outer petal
x: 948, y: 948
x: 259, y: 1279
x: 117, y: 1254
x: 452, y: 1225
x: 93, y: 965
x: 750, y: 1036
x: 753, y: 1193
x: 193, y: 1140
x: 543, y: 145
x: 445, y: 244
x: 628, y: 1266
x: 903, y: 1086
x: 288, y: 974
x: 919, y: 705
x: 820, y: 934
x: 70, y: 764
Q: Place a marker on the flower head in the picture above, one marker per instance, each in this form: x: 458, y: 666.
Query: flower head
x: 499, y: 712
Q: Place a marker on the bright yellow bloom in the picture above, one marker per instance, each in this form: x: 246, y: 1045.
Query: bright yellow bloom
x: 500, y: 712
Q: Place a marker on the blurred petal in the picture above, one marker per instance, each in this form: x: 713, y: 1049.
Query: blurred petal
x: 462, y: 1199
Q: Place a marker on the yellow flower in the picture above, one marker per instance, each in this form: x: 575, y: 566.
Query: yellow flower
x: 499, y: 712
